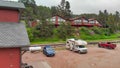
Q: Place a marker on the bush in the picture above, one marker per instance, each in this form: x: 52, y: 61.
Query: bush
x: 98, y: 30
x: 45, y: 31
x: 64, y: 31
x: 86, y: 31
x: 30, y: 34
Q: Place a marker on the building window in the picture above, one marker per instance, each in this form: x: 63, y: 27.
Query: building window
x: 78, y: 21
x: 85, y: 21
x: 52, y: 19
x: 60, y: 20
x: 91, y: 22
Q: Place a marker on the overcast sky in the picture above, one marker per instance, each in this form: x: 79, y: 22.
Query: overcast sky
x: 85, y: 6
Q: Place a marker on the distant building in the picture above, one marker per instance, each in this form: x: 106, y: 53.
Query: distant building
x: 34, y: 23
x: 57, y: 20
x: 94, y: 22
x: 77, y: 22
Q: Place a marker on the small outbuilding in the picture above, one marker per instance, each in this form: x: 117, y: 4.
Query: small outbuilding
x: 13, y: 35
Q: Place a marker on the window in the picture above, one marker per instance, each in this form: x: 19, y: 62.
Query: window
x: 77, y: 21
x: 60, y: 20
x: 53, y: 19
x: 85, y: 21
x: 91, y: 22
x: 81, y: 46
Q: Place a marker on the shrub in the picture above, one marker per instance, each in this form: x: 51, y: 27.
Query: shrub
x: 30, y: 34
x: 45, y: 31
x: 64, y: 31
x: 86, y: 31
x: 98, y: 30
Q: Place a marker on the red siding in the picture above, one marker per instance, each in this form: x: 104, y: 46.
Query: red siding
x: 56, y: 21
x: 10, y: 58
x: 34, y: 23
x: 7, y: 15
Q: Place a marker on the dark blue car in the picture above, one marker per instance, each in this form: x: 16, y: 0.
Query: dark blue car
x: 48, y: 51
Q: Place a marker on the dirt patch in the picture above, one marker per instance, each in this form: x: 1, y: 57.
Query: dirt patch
x: 95, y: 58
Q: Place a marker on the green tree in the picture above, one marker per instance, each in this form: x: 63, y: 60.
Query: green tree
x: 44, y: 12
x: 45, y: 30
x: 62, y: 4
x: 102, y: 17
x: 30, y: 34
x: 54, y: 10
x: 65, y: 31
x: 68, y: 13
x: 89, y: 16
x: 30, y: 12
x: 111, y: 23
x: 28, y: 2
x: 117, y: 20
x: 67, y: 7
x: 62, y: 10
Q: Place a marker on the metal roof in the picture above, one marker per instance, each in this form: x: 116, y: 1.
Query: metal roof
x: 13, y: 35
x: 11, y: 4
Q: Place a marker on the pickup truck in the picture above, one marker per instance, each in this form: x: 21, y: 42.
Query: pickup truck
x: 108, y: 45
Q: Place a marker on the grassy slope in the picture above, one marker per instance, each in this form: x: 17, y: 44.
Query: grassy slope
x: 95, y: 38
x: 55, y: 42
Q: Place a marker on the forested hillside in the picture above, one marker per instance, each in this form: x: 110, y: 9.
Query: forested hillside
x: 109, y: 21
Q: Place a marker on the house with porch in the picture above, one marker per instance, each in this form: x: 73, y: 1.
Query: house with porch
x: 57, y: 20
x: 94, y: 22
x: 77, y: 22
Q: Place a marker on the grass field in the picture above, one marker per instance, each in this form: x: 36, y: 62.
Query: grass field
x: 39, y: 41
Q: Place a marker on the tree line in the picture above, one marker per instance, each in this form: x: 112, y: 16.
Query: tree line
x: 109, y: 21
x: 32, y: 11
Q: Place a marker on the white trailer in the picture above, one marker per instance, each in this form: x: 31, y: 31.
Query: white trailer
x: 76, y: 45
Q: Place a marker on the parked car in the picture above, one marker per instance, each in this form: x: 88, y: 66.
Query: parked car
x: 108, y: 45
x: 48, y: 51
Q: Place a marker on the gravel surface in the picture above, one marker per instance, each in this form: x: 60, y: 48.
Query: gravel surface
x: 95, y: 58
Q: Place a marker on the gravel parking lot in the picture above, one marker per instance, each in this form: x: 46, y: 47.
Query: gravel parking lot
x: 95, y: 58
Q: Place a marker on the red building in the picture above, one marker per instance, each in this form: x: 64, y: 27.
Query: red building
x: 34, y: 23
x: 57, y: 20
x: 77, y: 22
x: 13, y: 35
x: 94, y: 22
x: 82, y: 21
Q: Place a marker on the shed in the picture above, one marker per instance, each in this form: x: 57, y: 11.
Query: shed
x: 13, y: 35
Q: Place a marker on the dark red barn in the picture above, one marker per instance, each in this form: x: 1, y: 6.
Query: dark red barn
x: 13, y: 35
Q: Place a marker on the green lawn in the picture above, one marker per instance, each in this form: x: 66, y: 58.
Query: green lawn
x: 94, y: 38
x: 39, y: 41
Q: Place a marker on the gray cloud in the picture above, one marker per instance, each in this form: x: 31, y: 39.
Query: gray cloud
x: 85, y: 6
x: 93, y: 6
x: 48, y: 2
